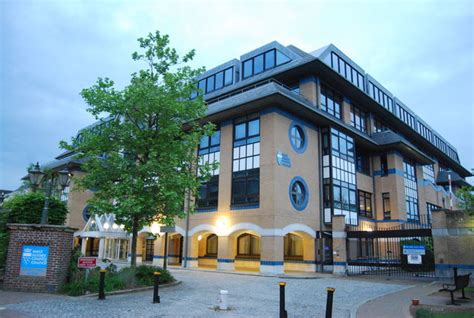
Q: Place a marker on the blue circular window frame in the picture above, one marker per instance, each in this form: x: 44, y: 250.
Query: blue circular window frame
x: 86, y: 212
x: 305, y: 137
x: 305, y: 202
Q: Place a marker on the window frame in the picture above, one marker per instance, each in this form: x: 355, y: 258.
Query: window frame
x: 366, y: 202
x: 241, y: 236
x: 211, y: 254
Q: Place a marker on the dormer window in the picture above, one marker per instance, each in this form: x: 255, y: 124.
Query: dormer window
x: 215, y: 81
x: 263, y: 62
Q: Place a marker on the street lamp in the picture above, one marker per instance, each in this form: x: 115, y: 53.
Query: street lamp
x: 58, y: 180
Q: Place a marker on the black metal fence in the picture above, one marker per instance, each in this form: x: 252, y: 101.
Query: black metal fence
x: 404, y: 249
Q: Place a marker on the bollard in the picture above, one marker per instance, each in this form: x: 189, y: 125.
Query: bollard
x: 102, y: 284
x: 283, y: 313
x: 330, y: 291
x: 156, y: 297
x: 223, y: 303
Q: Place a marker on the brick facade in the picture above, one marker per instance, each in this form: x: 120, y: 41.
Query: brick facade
x: 60, y: 242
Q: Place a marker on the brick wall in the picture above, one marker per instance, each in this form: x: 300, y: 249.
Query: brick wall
x: 59, y: 239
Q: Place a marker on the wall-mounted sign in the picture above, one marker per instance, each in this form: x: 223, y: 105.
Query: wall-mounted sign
x: 34, y: 260
x: 283, y: 159
x: 414, y: 259
x: 167, y: 229
x: 414, y: 250
x: 87, y: 262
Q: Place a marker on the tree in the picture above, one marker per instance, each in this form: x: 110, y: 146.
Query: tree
x: 466, y: 199
x: 141, y: 159
x: 26, y: 209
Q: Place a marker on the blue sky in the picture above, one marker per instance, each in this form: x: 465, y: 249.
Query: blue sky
x: 422, y: 51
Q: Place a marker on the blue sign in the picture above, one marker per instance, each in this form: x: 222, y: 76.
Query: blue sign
x: 283, y: 159
x: 414, y: 250
x: 34, y: 260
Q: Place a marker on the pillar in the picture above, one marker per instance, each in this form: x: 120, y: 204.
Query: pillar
x: 84, y: 245
x: 339, y: 247
x: 226, y: 253
x: 101, y: 248
x: 140, y: 244
x: 346, y: 110
x: 159, y: 251
x: 308, y: 89
x: 271, y: 255
x: 309, y: 254
x: 193, y: 251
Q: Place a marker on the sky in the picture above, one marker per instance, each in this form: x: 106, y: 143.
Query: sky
x: 422, y: 51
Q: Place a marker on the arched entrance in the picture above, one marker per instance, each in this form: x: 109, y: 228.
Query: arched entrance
x: 207, y: 250
x: 175, y: 249
x: 299, y: 252
x: 247, y: 251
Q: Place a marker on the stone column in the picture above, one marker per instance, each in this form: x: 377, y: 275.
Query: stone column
x: 339, y: 247
x: 193, y: 252
x: 226, y: 253
x: 101, y: 252
x: 140, y: 245
x: 271, y: 255
x: 308, y: 89
x: 309, y: 254
x: 159, y: 251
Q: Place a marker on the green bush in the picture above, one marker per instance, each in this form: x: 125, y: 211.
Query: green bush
x: 27, y: 208
x: 125, y: 278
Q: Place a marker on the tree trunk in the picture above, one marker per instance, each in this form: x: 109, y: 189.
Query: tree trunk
x: 133, y: 253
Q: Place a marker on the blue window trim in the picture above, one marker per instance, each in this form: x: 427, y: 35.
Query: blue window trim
x: 305, y: 202
x: 305, y: 136
x: 86, y: 212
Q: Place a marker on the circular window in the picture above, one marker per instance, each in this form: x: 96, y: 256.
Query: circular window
x: 297, y: 137
x: 86, y: 214
x: 298, y: 193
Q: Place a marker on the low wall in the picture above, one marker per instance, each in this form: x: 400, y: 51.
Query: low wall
x: 453, y: 240
x: 38, y: 257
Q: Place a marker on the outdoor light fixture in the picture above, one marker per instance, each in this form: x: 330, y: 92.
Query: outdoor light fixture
x: 222, y: 226
x: 199, y: 237
x: 59, y: 180
x: 35, y: 174
x: 106, y: 225
x: 155, y: 228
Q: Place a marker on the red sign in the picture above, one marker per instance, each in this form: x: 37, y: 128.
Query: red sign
x: 87, y: 262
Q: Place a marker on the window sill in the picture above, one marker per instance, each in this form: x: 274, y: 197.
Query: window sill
x: 245, y: 206
x: 206, y: 209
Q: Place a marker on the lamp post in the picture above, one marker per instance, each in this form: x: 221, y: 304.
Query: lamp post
x: 59, y: 179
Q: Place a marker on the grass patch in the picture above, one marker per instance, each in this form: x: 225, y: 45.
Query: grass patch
x: 425, y: 313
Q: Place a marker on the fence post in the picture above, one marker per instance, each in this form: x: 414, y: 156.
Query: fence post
x: 329, y: 301
x: 102, y: 284
x: 283, y: 313
x: 156, y: 296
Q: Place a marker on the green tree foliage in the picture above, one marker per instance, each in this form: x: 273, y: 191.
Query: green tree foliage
x: 26, y: 209
x: 466, y: 199
x: 141, y: 159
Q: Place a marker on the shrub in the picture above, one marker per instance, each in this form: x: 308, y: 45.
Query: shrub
x: 145, y: 275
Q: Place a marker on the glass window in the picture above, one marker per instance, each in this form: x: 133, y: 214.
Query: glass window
x: 365, y: 204
x: 248, y: 245
x: 248, y: 68
x: 258, y: 64
x: 387, y: 215
x: 383, y: 165
x: 209, y: 153
x: 270, y: 59
x: 281, y: 58
x: 411, y: 192
x: 358, y: 119
x: 293, y: 246
x: 219, y: 80
x: 298, y: 194
x: 246, y: 162
x: 331, y: 102
x: 211, y: 245
x: 202, y: 85
x: 363, y: 164
x: 210, y: 84
x: 297, y: 137
x: 428, y: 173
x: 240, y: 131
x: 228, y: 76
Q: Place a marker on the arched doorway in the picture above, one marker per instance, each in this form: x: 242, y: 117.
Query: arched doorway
x: 175, y: 249
x: 299, y: 252
x: 247, y: 256
x: 208, y: 246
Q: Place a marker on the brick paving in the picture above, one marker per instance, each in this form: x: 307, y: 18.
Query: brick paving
x: 197, y: 295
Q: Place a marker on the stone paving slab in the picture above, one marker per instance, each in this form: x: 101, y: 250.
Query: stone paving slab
x: 197, y: 296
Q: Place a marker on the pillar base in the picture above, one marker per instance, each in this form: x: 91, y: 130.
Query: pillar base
x: 272, y: 267
x: 192, y: 263
x: 225, y: 265
x: 339, y: 269
x: 158, y: 261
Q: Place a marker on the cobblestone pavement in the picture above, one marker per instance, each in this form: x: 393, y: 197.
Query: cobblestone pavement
x: 197, y: 295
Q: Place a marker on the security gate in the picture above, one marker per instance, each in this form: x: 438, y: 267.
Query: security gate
x: 404, y: 250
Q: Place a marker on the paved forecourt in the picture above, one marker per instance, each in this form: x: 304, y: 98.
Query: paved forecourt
x: 197, y: 296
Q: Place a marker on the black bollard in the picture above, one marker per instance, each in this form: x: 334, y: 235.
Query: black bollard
x: 156, y: 297
x: 102, y: 284
x: 283, y: 313
x: 330, y: 291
